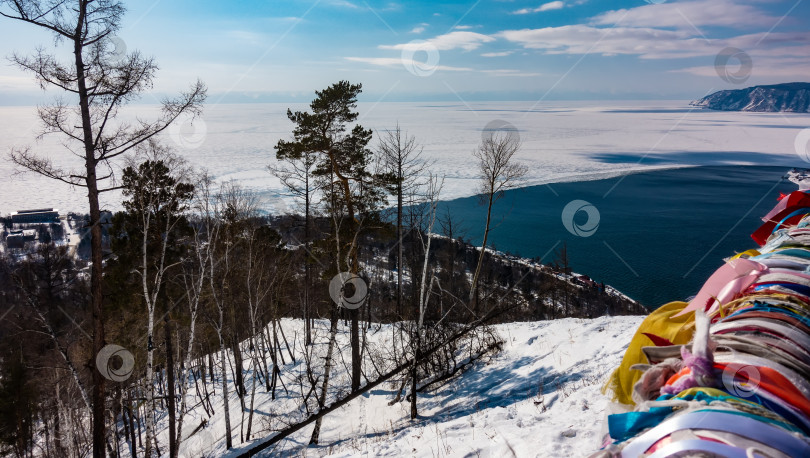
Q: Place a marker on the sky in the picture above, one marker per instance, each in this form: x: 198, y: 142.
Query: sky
x: 279, y: 51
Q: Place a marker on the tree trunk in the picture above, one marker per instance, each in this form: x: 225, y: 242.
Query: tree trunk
x: 275, y: 354
x: 452, y: 267
x: 252, y: 399
x: 356, y: 358
x: 228, y: 441
x: 170, y: 390
x: 150, y: 384
x: 414, y: 412
x: 265, y: 342
x: 474, y: 290
x: 119, y: 403
x: 423, y: 298
x: 133, y: 444
x: 211, y: 366
x: 239, y: 380
x: 57, y: 427
x: 313, y: 440
x: 307, y: 306
x: 96, y: 271
x: 354, y: 314
x: 186, y: 361
x: 399, y: 242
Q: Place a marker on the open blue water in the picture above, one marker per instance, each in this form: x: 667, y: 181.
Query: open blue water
x: 660, y: 234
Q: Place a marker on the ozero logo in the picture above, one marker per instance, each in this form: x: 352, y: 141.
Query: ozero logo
x: 188, y: 131
x: 106, y: 359
x: 724, y: 68
x: 500, y: 128
x: 741, y: 380
x: 348, y: 290
x: 585, y: 229
x: 417, y: 65
x: 117, y: 51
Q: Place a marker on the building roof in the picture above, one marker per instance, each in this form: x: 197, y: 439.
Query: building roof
x: 37, y: 210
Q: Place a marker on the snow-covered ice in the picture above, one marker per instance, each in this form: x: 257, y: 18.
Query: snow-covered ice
x: 562, y: 141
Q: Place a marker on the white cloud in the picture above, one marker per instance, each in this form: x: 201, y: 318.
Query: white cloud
x: 497, y: 54
x: 544, y: 7
x: 379, y: 61
x: 463, y: 27
x: 688, y: 15
x: 393, y: 62
x: 582, y: 39
x: 671, y: 30
x: 550, y: 6
x: 392, y: 6
x: 650, y: 43
x: 419, y: 28
x: 467, y: 41
x: 667, y: 30
x: 344, y: 4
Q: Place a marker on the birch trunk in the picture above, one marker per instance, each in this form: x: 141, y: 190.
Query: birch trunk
x: 327, y: 372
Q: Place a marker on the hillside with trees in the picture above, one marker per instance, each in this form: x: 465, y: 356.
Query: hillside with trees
x: 200, y: 284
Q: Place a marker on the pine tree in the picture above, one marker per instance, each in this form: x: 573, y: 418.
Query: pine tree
x: 343, y: 160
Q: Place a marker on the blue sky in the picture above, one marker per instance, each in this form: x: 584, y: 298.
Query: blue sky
x: 446, y: 50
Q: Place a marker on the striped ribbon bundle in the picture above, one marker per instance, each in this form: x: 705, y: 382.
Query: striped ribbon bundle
x: 727, y: 374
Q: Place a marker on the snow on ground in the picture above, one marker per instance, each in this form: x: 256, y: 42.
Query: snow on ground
x: 540, y: 396
x: 562, y: 141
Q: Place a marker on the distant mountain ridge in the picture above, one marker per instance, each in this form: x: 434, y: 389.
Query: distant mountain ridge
x: 787, y: 97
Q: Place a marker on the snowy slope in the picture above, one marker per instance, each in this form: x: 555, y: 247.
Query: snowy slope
x: 540, y: 396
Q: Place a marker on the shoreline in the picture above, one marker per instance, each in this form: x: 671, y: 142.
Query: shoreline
x: 271, y: 210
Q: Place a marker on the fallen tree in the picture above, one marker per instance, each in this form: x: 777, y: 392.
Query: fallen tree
x: 267, y: 442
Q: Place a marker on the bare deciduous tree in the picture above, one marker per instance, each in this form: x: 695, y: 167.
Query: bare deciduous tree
x: 195, y: 268
x: 403, y: 165
x: 434, y: 189
x: 232, y: 206
x: 100, y: 82
x: 295, y: 171
x: 497, y: 172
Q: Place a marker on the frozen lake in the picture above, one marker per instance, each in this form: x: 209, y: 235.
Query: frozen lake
x: 562, y: 141
x: 656, y: 236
